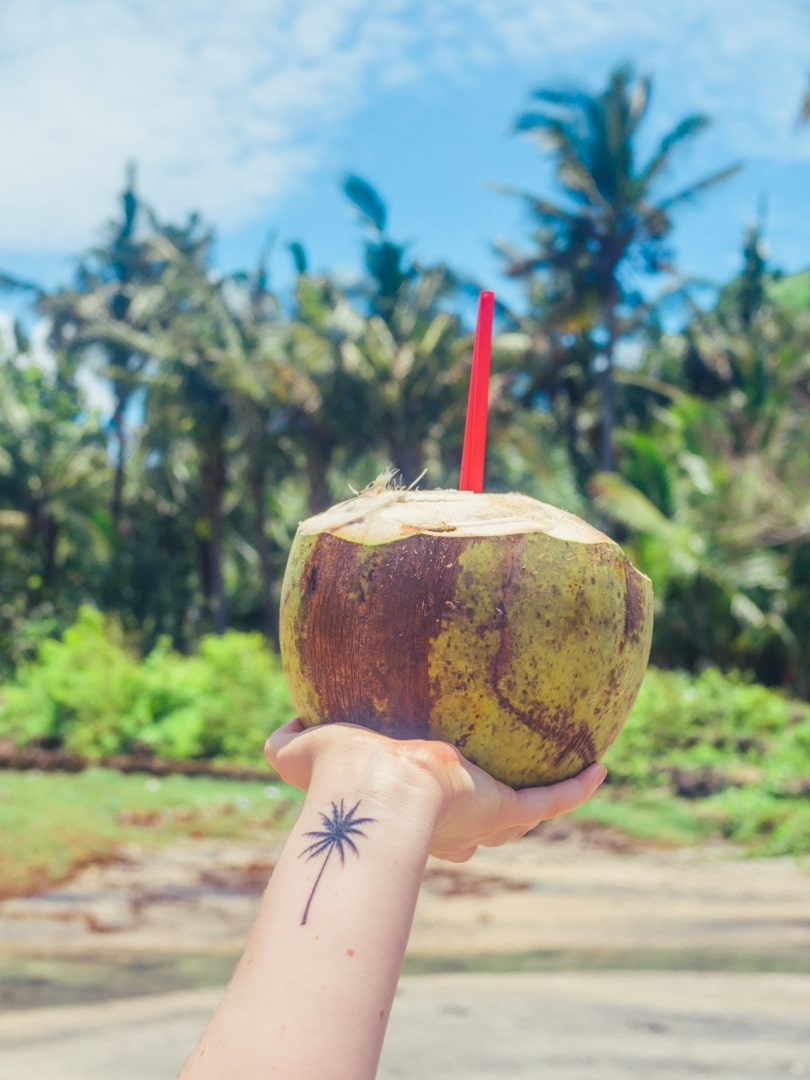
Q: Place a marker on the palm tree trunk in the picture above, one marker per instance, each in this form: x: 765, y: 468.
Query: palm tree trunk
x: 408, y: 462
x: 42, y: 525
x: 258, y: 492
x: 606, y: 460
x: 320, y: 497
x: 119, y: 427
x: 50, y: 537
x: 214, y: 483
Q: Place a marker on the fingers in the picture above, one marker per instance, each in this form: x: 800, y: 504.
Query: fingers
x: 292, y: 767
x: 507, y: 835
x: 541, y: 804
x: 453, y: 854
x: 282, y: 737
x: 522, y: 810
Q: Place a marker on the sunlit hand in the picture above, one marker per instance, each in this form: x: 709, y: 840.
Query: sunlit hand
x: 468, y: 806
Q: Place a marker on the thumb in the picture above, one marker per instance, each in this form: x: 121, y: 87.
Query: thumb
x: 281, y: 739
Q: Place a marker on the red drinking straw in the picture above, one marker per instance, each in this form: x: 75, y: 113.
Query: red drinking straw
x: 475, y: 430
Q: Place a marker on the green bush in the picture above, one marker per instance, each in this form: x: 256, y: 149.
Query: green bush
x: 739, y: 731
x: 77, y: 693
x: 739, y: 751
x: 86, y: 693
x: 223, y: 702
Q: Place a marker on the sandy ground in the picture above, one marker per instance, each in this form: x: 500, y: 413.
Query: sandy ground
x: 623, y: 963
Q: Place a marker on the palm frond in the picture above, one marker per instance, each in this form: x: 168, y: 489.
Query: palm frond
x: 639, y: 100
x: 299, y: 256
x: 542, y: 209
x: 804, y: 111
x: 367, y: 201
x: 688, y: 193
x: 12, y: 521
x: 11, y: 283
x: 648, y: 382
x: 689, y: 127
x: 613, y: 495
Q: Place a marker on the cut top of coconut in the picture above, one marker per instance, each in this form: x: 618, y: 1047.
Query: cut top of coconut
x: 375, y: 516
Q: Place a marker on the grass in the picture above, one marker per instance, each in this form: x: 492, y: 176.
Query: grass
x: 54, y: 823
x: 756, y: 821
x: 655, y: 817
x: 748, y: 747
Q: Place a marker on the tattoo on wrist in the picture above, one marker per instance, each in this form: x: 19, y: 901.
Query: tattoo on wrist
x: 336, y: 834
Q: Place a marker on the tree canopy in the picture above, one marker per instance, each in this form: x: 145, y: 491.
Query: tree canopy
x: 229, y: 414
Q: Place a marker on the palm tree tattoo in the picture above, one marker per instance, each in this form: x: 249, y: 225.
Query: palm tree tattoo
x: 337, y: 835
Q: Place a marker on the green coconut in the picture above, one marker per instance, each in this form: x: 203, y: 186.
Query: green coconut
x: 512, y: 629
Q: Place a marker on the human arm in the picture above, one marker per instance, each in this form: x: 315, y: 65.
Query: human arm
x: 311, y: 996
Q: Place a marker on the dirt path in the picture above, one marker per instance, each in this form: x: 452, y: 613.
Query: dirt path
x: 630, y: 963
x: 618, y: 1025
x: 564, y: 899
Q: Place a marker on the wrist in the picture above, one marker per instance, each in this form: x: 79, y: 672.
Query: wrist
x: 392, y: 777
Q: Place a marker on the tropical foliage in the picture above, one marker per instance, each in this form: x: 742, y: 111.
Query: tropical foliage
x: 737, y: 760
x: 88, y: 694
x: 155, y: 460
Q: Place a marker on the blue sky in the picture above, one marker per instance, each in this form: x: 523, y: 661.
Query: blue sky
x: 251, y: 112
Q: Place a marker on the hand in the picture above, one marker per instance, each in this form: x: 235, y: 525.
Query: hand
x: 469, y: 807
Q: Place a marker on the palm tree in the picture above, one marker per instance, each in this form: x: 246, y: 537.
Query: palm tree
x: 261, y: 385
x: 700, y: 521
x: 714, y: 487
x: 746, y: 353
x: 326, y: 409
x: 178, y: 329
x: 416, y: 351
x: 218, y: 384
x: 379, y: 367
x: 107, y: 280
x: 612, y: 227
x: 54, y: 480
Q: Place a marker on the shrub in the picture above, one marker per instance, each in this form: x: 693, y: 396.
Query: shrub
x: 223, y: 702
x: 86, y: 693
x: 77, y: 692
x: 741, y: 731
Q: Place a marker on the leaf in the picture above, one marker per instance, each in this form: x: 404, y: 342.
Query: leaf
x: 367, y: 201
x: 688, y: 193
x: 744, y: 609
x: 685, y: 129
x: 760, y: 570
x: 435, y: 331
x: 628, y: 505
x: 512, y: 344
x: 12, y: 521
x: 10, y: 282
x: 299, y: 257
x: 697, y: 469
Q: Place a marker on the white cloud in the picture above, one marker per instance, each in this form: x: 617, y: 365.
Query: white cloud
x: 227, y: 107
x: 221, y: 105
x: 744, y: 63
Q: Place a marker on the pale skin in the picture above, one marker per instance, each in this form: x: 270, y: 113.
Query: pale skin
x: 312, y: 993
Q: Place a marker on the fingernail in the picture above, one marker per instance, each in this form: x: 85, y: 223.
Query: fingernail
x: 601, y: 779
